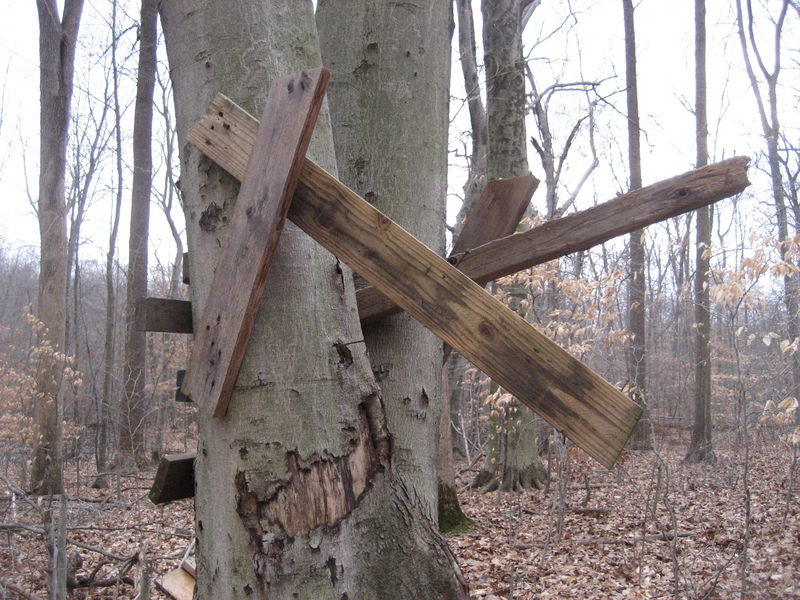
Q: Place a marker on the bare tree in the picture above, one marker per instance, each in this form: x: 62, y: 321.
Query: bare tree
x: 57, y: 40
x: 767, y: 104
x: 131, y: 439
x: 637, y: 284
x: 701, y: 448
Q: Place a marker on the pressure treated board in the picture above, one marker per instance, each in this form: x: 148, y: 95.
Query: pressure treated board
x: 174, y: 478
x: 566, y: 393
x: 268, y: 184
x: 496, y: 215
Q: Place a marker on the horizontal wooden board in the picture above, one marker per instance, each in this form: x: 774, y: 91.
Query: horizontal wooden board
x: 566, y: 393
x: 163, y: 315
x: 585, y: 229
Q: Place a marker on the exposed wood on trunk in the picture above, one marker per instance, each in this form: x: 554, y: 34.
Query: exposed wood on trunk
x: 569, y: 395
x: 267, y: 188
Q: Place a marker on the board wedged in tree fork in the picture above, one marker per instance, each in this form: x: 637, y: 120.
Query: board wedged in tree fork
x: 268, y: 184
x: 566, y: 393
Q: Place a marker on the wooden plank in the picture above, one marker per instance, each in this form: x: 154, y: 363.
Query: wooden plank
x: 177, y: 584
x: 267, y: 188
x: 582, y: 230
x: 566, y: 393
x: 626, y: 213
x: 496, y: 214
x: 164, y: 315
x: 174, y: 478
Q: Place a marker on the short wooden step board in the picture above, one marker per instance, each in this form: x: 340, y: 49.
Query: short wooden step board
x: 174, y: 478
x: 178, y: 583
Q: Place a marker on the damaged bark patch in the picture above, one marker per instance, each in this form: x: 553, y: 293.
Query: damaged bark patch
x: 213, y: 217
x: 345, y: 355
x: 318, y: 493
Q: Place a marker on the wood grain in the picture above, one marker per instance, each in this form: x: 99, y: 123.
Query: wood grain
x: 268, y: 184
x: 569, y: 395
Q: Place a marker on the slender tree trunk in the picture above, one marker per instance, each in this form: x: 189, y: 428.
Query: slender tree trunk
x: 296, y: 492
x: 701, y: 448
x: 57, y: 39
x: 477, y: 112
x: 507, y: 157
x: 134, y: 369
x: 637, y: 283
x: 771, y: 129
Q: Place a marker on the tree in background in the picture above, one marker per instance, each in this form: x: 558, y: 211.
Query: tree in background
x: 771, y: 130
x: 701, y: 448
x: 306, y: 401
x: 512, y: 457
x: 637, y: 284
x: 132, y: 413
x: 57, y: 39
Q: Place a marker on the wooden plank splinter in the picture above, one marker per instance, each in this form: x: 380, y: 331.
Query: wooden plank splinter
x: 268, y: 184
x: 566, y: 393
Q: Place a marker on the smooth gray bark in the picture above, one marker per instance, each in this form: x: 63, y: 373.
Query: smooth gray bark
x: 512, y: 460
x: 296, y: 495
x: 637, y: 283
x: 389, y: 97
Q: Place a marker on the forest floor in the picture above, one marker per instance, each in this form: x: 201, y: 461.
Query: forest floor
x: 616, y: 538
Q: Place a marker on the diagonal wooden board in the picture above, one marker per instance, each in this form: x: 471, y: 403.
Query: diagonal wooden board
x: 569, y: 395
x: 267, y: 188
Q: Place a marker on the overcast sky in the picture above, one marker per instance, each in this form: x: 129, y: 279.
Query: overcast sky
x: 665, y: 54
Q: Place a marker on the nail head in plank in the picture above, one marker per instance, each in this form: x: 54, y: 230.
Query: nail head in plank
x: 268, y: 184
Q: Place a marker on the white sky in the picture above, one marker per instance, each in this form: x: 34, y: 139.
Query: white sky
x: 665, y: 54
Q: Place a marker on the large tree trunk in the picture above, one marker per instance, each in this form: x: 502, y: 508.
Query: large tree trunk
x: 701, y: 448
x: 57, y: 38
x: 389, y: 97
x: 519, y: 464
x: 637, y: 283
x: 131, y: 433
x: 296, y: 494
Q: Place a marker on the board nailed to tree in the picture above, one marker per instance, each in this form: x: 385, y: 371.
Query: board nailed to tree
x: 570, y: 396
